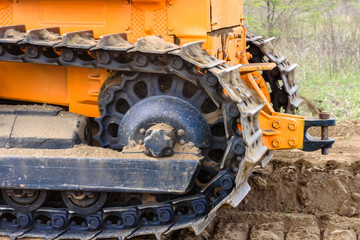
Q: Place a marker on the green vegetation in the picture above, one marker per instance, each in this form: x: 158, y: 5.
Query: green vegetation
x: 323, y: 37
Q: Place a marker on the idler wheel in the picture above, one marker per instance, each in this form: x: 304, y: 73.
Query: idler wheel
x: 24, y: 200
x: 84, y: 202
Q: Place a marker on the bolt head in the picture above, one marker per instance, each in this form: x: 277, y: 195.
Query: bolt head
x: 182, y: 141
x: 292, y: 142
x: 276, y: 143
x: 292, y: 125
x: 142, y: 130
x: 324, y: 115
x: 276, y: 124
x: 211, y: 80
x: 180, y: 132
x: 147, y: 29
x: 262, y: 85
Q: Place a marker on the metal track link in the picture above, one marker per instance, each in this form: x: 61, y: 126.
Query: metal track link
x: 148, y: 55
x: 284, y: 95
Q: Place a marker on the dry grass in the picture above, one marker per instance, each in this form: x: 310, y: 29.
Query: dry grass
x: 325, y: 42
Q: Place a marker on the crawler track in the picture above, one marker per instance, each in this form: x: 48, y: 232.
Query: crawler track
x: 154, y: 57
x: 281, y: 79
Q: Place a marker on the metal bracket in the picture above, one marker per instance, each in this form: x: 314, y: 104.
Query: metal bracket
x: 311, y: 143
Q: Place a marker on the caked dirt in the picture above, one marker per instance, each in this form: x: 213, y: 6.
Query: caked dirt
x: 298, y: 195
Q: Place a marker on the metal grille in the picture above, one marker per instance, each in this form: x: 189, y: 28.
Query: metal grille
x: 6, y: 16
x: 158, y: 24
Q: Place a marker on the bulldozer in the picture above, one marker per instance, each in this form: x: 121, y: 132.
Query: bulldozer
x: 125, y: 118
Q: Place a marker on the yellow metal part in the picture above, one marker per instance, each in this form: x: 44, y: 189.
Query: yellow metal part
x: 225, y: 13
x: 280, y: 130
x: 217, y: 22
x: 252, y: 67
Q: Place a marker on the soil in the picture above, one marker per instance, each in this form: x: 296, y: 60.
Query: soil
x: 298, y: 195
x: 49, y: 36
x: 153, y: 43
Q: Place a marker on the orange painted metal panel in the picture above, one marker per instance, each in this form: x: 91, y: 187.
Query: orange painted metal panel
x: 84, y: 85
x: 149, y: 18
x: 226, y: 13
x: 104, y: 17
x: 189, y: 18
x: 33, y: 82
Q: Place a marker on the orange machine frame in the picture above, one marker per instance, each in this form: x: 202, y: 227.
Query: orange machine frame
x: 217, y: 22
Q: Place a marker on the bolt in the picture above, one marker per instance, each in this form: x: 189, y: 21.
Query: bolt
x: 324, y: 115
x: 32, y: 52
x: 239, y: 149
x: 199, y: 208
x: 7, y: 145
x: 68, y: 55
x: 127, y: 28
x: 104, y: 57
x: 59, y: 222
x: 211, y: 80
x: 167, y: 152
x: 170, y: 28
x: 129, y: 220
x: 276, y: 124
x: 276, y: 142
x: 292, y: 125
x: 324, y: 132
x: 142, y: 130
x: 94, y: 223
x: 292, y: 142
x: 147, y: 29
x: 141, y: 142
x: 177, y: 63
x: 190, y: 145
x: 234, y: 111
x: 182, y: 141
x: 262, y: 85
x: 180, y: 132
x: 170, y: 2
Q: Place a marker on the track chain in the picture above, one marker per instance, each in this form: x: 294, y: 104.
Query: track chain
x: 284, y: 93
x: 149, y: 55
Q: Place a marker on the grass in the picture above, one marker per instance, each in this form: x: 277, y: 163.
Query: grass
x: 337, y: 92
x: 325, y: 42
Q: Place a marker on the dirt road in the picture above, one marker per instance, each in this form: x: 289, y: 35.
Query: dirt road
x: 298, y: 195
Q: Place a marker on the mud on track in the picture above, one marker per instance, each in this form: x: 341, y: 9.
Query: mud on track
x: 299, y: 195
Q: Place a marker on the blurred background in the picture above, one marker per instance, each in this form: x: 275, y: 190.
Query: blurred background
x: 323, y: 38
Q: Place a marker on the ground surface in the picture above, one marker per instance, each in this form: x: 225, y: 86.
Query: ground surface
x: 298, y: 195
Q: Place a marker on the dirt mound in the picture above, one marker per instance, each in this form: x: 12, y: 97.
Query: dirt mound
x: 298, y: 195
